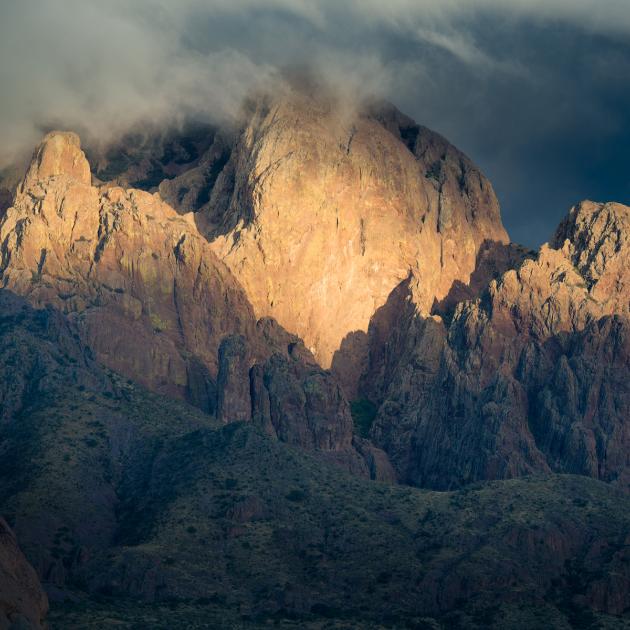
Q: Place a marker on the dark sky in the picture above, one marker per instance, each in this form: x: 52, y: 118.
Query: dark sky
x: 536, y: 92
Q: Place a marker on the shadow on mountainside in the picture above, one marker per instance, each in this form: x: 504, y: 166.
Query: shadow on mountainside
x: 117, y: 494
x: 359, y: 349
x: 493, y: 260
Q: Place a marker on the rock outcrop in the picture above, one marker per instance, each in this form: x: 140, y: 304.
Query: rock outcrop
x: 294, y: 400
x: 313, y: 236
x: 23, y: 603
x: 530, y: 377
x: 149, y: 296
x: 320, y: 211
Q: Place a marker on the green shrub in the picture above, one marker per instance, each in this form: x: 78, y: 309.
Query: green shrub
x: 296, y: 496
x: 363, y: 414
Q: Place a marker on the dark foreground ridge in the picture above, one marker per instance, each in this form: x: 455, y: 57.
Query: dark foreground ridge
x: 129, y: 504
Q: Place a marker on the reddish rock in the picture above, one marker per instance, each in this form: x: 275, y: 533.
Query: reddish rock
x: 148, y: 294
x: 321, y: 210
x: 23, y: 603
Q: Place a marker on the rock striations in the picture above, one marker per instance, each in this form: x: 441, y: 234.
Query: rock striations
x: 320, y: 211
x: 146, y: 290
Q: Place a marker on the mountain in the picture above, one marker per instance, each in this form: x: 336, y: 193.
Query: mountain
x: 153, y: 302
x: 320, y: 210
x: 294, y: 371
x: 121, y: 261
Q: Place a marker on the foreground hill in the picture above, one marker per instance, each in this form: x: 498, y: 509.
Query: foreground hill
x: 115, y: 493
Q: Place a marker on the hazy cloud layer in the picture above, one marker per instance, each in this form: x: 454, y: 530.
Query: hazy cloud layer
x: 537, y: 92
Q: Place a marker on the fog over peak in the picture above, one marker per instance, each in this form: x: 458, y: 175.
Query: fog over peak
x: 536, y: 92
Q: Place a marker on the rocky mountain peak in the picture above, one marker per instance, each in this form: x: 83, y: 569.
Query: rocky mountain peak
x: 320, y: 210
x: 59, y: 154
x: 596, y: 238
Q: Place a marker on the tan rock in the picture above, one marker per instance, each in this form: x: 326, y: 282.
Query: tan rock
x: 59, y: 154
x: 320, y: 213
x: 596, y: 237
x: 150, y: 296
x: 154, y: 303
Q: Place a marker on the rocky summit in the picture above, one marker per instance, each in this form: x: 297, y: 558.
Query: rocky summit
x: 293, y: 371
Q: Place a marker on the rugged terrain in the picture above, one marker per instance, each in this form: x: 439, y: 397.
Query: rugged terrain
x: 153, y: 302
x: 118, y: 493
x: 222, y: 349
x: 531, y: 376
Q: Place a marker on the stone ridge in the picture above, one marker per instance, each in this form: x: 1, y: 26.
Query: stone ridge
x: 148, y: 294
x: 58, y: 154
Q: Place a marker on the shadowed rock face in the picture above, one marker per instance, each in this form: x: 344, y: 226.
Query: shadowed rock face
x: 23, y: 603
x: 320, y: 211
x: 532, y: 376
x: 291, y: 398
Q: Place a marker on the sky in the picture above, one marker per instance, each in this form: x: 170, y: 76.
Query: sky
x: 536, y: 92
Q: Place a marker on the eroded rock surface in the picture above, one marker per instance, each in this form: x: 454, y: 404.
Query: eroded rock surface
x: 152, y: 301
x: 530, y: 377
x: 150, y: 297
x: 485, y: 360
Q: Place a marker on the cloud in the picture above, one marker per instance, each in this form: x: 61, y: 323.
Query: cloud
x: 533, y: 90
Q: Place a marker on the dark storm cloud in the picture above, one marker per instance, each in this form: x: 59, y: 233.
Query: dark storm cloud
x: 537, y: 93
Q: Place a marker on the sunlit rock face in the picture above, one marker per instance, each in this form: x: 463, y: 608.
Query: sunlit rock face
x: 596, y: 238
x: 532, y: 376
x: 320, y: 210
x: 151, y: 298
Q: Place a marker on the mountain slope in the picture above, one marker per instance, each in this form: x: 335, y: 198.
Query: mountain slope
x: 311, y: 236
x: 150, y: 298
x: 144, y: 287
x: 115, y: 492
x: 320, y: 210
